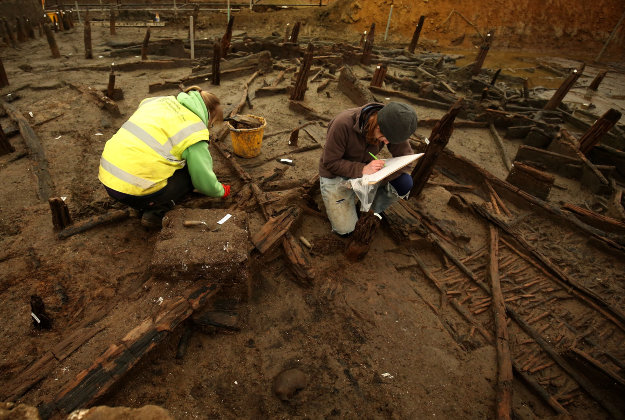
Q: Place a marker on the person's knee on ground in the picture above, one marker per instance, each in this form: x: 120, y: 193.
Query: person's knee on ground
x: 402, y: 184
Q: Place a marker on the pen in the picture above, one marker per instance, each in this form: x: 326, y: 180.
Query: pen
x: 373, y: 156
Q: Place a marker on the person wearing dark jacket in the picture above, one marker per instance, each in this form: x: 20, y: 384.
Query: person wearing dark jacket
x: 353, y: 136
x: 161, y: 154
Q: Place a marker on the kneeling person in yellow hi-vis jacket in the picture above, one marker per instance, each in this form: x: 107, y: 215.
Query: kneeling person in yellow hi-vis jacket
x: 161, y: 154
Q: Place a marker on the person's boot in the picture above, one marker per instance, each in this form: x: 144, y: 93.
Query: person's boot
x: 152, y: 219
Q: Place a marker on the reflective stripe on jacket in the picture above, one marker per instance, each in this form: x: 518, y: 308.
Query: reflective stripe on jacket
x: 148, y: 148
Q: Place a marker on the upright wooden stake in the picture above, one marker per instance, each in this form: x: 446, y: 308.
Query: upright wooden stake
x: 287, y: 32
x: 479, y: 62
x: 295, y: 33
x: 225, y: 40
x: 5, y: 35
x: 362, y: 236
x: 88, y: 49
x: 196, y: 15
x: 504, y: 361
x: 110, y: 89
x: 438, y: 140
x: 111, y: 20
x: 294, y: 137
x: 19, y: 28
x: 378, y: 76
x: 564, y: 88
x: 10, y: 33
x: 495, y: 76
x: 144, y: 47
x: 598, y: 129
x: 5, y: 146
x: 416, y: 34
x: 51, y: 41
x: 368, y: 47
x: 60, y: 213
x: 597, y: 80
x: 216, y: 64
x: 4, y: 80
x: 55, y: 23
x: 302, y: 77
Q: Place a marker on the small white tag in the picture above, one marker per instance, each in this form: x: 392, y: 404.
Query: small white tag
x: 223, y: 219
x: 99, y: 134
x: 56, y: 138
x: 31, y: 114
x: 35, y: 316
x: 427, y: 141
x: 63, y: 198
x: 286, y: 160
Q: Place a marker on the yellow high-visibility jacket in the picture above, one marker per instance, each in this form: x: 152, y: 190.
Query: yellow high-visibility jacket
x: 148, y: 148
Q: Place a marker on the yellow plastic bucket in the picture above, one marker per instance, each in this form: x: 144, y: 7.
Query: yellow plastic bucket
x: 246, y: 142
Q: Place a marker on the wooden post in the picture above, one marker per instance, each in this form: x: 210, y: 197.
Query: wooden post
x: 51, y: 41
x: 196, y: 15
x: 287, y: 32
x: 504, y: 361
x: 5, y: 35
x: 216, y: 64
x: 111, y: 20
x: 438, y: 140
x: 10, y: 32
x: 4, y: 80
x: 55, y: 23
x: 5, y: 146
x: 378, y: 76
x: 60, y: 213
x: 225, y: 40
x: 40, y: 27
x: 416, y: 34
x: 597, y: 80
x: 295, y: 32
x: 495, y: 76
x: 144, y: 46
x: 300, y: 87
x: 19, y: 28
x: 531, y: 180
x: 479, y: 62
x: 88, y: 50
x: 598, y: 129
x: 564, y: 88
x: 110, y: 89
x: 294, y: 137
x: 368, y: 47
x: 362, y: 236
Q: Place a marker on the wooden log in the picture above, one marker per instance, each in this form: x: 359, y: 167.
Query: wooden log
x: 301, y: 83
x: 597, y: 80
x: 237, y: 109
x: 531, y: 180
x: 368, y: 46
x: 378, y: 76
x: 438, y: 140
x: 5, y: 146
x: 87, y: 32
x: 564, y: 88
x: 51, y: 41
x: 60, y: 213
x: 610, y: 378
x: 99, y: 98
x: 144, y: 45
x: 479, y: 62
x: 92, y: 222
x: 414, y: 99
x: 363, y: 234
x: 274, y: 229
x: 353, y: 88
x: 598, y: 129
x: 415, y: 36
x: 45, y: 184
x: 323, y: 85
x: 226, y: 39
x: 504, y: 363
x: 295, y: 33
x: 500, y: 148
x: 110, y: 88
x: 598, y: 182
x: 599, y: 221
x: 216, y: 72
x: 119, y: 358
x: 112, y: 20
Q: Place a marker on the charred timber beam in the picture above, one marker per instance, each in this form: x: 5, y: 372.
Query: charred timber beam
x: 216, y: 75
x: 414, y: 99
x: 226, y: 39
x: 144, y: 46
x: 4, y: 80
x: 481, y: 57
x: 110, y: 88
x: 598, y: 129
x: 597, y: 80
x: 438, y: 140
x: 112, y: 21
x: 51, y: 41
x: 88, y: 49
x: 295, y: 33
x: 353, y: 88
x: 378, y: 76
x: 60, y: 213
x: 362, y: 237
x: 299, y: 90
x: 274, y: 229
x: 564, y: 88
x: 84, y: 225
x: 368, y: 47
x: 416, y: 34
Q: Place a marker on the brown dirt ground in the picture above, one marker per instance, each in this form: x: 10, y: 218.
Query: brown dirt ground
x: 365, y: 334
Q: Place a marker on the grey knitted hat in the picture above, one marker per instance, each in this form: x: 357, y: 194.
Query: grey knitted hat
x: 397, y: 121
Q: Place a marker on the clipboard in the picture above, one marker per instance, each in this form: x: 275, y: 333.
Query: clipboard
x: 391, y: 166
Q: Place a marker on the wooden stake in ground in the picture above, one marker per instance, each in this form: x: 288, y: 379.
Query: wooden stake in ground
x: 110, y: 89
x: 216, y: 73
x: 368, y: 47
x: 88, y: 49
x: 438, y: 140
x: 362, y: 236
x: 227, y: 38
x: 144, y: 46
x: 564, y: 88
x: 5, y: 146
x: 4, y: 80
x: 60, y: 213
x: 295, y: 32
x: 111, y: 20
x: 302, y: 77
x: 416, y: 34
x: 598, y: 129
x: 479, y: 62
x: 597, y: 80
x: 19, y: 28
x: 378, y: 76
x: 51, y: 41
x: 504, y: 362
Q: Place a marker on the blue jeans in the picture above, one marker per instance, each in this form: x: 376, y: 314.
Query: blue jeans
x: 340, y: 202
